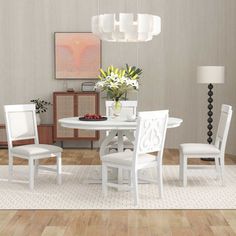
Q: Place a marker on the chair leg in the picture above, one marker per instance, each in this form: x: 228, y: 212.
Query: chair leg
x: 180, y: 167
x: 58, y: 168
x: 135, y: 184
x: 31, y: 173
x: 130, y: 179
x: 36, y: 167
x: 160, y: 180
x: 184, y: 170
x: 222, y: 165
x: 104, y: 179
x: 120, y: 176
x: 10, y: 167
x: 217, y: 167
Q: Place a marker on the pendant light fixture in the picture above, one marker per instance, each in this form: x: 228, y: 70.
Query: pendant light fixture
x: 125, y: 27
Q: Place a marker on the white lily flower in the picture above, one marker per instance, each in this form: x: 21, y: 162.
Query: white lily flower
x: 113, y: 83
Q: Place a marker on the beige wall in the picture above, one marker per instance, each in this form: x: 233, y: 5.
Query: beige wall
x: 194, y: 32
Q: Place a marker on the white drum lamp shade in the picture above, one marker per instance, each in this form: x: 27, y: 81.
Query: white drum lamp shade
x: 211, y: 74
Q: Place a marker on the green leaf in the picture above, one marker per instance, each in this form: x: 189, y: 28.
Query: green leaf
x: 103, y: 72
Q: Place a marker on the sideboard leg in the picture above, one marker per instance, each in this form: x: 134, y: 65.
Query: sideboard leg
x: 62, y: 146
x: 91, y: 145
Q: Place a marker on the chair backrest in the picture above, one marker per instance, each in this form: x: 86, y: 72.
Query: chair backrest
x: 151, y: 132
x: 128, y: 108
x: 20, y: 123
x: 223, y: 127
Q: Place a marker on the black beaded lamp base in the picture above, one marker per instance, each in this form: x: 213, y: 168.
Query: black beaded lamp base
x: 209, y: 120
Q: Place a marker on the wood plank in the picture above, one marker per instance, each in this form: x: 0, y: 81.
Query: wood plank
x: 133, y: 222
x: 54, y: 231
x: 222, y: 230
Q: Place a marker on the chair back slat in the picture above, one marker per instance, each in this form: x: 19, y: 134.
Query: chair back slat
x: 151, y: 131
x: 223, y: 127
x: 21, y: 122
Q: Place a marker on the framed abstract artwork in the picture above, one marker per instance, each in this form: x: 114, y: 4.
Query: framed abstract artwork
x: 77, y: 55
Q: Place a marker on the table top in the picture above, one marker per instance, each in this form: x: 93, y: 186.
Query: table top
x: 109, y: 124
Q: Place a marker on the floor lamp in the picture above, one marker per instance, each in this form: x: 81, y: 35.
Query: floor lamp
x: 210, y: 75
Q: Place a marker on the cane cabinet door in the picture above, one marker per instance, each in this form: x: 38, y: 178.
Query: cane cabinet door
x: 64, y: 106
x: 73, y: 104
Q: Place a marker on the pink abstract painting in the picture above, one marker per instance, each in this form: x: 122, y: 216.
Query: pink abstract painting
x: 77, y: 56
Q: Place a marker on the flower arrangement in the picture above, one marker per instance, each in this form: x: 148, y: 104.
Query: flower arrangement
x: 41, y: 105
x: 117, y: 82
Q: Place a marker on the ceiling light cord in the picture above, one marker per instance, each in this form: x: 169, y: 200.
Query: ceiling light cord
x: 98, y: 5
x: 137, y: 7
x: 137, y: 54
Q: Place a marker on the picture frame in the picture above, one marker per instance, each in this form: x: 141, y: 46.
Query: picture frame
x: 77, y: 55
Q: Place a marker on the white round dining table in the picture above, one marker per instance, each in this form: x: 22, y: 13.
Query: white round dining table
x: 116, y: 127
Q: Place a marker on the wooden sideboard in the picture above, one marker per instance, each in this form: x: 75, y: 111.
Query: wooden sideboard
x: 45, y: 132
x: 70, y: 104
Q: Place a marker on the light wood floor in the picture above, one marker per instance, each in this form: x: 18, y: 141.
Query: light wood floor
x: 91, y: 157
x: 122, y: 222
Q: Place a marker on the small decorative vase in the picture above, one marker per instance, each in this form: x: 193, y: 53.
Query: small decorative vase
x: 116, y: 107
x: 38, y: 119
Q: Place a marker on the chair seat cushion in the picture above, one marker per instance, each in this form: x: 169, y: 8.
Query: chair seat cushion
x: 198, y: 149
x: 125, y: 158
x: 35, y: 150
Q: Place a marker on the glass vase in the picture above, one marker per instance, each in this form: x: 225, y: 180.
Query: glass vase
x: 116, y: 107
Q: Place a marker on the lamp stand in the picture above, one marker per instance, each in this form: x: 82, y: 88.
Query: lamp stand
x: 210, y: 120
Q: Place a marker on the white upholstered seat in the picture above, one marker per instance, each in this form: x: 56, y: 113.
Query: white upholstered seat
x: 200, y: 150
x: 150, y: 137
x: 35, y: 150
x: 21, y: 125
x: 126, y: 158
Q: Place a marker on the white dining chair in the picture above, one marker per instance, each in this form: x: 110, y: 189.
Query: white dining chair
x: 129, y: 109
x: 202, y: 150
x: 21, y: 125
x: 150, y: 137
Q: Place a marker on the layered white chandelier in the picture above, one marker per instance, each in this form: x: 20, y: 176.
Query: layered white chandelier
x: 125, y: 27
